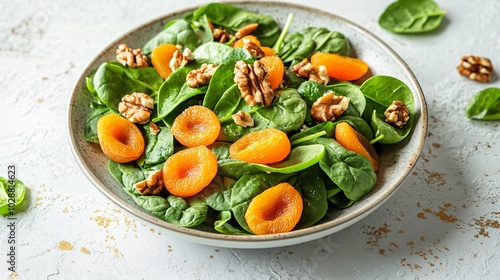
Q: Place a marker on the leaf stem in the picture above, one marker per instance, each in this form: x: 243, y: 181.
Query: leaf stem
x: 281, y: 38
x: 307, y: 138
x: 378, y: 138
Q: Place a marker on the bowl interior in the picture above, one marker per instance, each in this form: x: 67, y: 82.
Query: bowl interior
x: 396, y: 160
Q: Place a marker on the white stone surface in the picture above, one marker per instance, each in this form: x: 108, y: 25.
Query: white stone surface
x: 443, y: 223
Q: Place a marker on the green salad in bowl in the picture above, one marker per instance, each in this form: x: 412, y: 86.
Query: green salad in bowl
x: 248, y: 125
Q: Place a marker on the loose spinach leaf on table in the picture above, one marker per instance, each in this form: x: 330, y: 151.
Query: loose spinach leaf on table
x: 380, y: 91
x: 286, y: 113
x: 485, y: 105
x: 232, y: 18
x: 112, y: 81
x: 304, y: 43
x: 176, y: 32
x: 412, y: 16
x: 313, y: 192
x: 350, y: 171
x: 12, y: 193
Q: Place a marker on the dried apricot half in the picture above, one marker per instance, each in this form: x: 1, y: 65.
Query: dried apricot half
x: 354, y: 141
x: 275, y: 210
x: 187, y: 172
x: 241, y: 42
x: 120, y: 139
x: 264, y: 146
x: 340, y: 67
x: 275, y: 70
x: 160, y: 58
x: 195, y: 126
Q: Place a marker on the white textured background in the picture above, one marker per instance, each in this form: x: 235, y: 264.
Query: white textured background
x: 444, y: 222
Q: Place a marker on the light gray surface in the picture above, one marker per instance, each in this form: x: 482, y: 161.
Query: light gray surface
x: 442, y: 223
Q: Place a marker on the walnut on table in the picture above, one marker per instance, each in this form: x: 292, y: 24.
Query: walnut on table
x: 136, y: 107
x: 476, y: 68
x: 131, y: 58
x: 253, y: 82
x: 305, y: 69
x: 397, y: 114
x: 153, y: 185
x: 329, y: 107
x: 201, y: 76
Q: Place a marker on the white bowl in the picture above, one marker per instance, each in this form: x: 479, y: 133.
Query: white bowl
x: 396, y: 161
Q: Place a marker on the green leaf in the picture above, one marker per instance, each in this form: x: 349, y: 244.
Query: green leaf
x: 12, y: 195
x: 485, y: 105
x: 313, y: 192
x: 412, y: 16
x: 90, y: 128
x: 299, y: 159
x: 176, y: 32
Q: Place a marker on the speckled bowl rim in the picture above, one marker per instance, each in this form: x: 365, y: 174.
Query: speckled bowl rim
x: 260, y: 241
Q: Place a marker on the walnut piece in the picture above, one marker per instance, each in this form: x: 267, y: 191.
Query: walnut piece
x: 253, y: 82
x: 136, y: 107
x: 131, y: 58
x: 397, y: 114
x: 246, y: 30
x: 154, y: 128
x: 329, y: 107
x: 305, y: 69
x: 153, y: 185
x: 180, y: 59
x: 253, y: 49
x: 221, y: 35
x: 243, y: 118
x: 201, y: 76
x: 476, y: 68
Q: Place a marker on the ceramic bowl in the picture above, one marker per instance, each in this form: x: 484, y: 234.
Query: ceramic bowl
x: 396, y: 161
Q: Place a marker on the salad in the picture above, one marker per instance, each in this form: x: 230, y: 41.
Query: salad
x: 224, y: 120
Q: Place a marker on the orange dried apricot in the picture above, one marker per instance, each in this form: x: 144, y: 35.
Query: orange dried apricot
x: 275, y: 70
x: 264, y: 146
x: 340, y: 67
x: 120, y: 139
x: 275, y: 210
x: 268, y: 51
x: 160, y: 58
x: 354, y: 141
x: 197, y: 125
x: 187, y: 172
x: 241, y: 42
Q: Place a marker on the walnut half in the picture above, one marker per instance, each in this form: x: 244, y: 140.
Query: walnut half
x: 476, y: 68
x: 180, y: 59
x: 253, y: 82
x: 397, y: 114
x: 131, y: 58
x: 201, y: 76
x: 305, y: 69
x: 329, y: 107
x: 153, y: 185
x: 243, y: 118
x: 136, y: 107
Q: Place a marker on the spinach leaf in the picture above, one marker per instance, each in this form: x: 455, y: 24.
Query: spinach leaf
x: 287, y: 113
x: 485, y: 105
x: 304, y: 43
x: 350, y: 171
x: 340, y: 200
x: 313, y: 192
x: 12, y: 191
x: 380, y: 91
x: 112, y: 81
x: 158, y: 148
x: 220, y: 150
x: 212, y: 52
x: 233, y: 18
x: 412, y: 16
x: 90, y: 128
x: 236, y: 168
x: 217, y: 195
x: 175, y: 91
x: 310, y: 91
x: 175, y: 210
x: 299, y: 159
x: 223, y: 77
x: 176, y: 32
x: 325, y: 128
x: 228, y: 102
x: 222, y: 224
